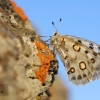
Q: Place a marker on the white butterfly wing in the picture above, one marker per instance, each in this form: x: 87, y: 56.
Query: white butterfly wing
x: 81, y: 59
x: 87, y: 43
x: 95, y: 52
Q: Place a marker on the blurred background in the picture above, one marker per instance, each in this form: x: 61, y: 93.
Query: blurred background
x: 80, y: 18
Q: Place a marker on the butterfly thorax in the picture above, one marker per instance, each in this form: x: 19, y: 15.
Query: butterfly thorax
x: 56, y: 41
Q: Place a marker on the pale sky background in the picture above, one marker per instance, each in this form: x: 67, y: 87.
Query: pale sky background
x: 80, y: 18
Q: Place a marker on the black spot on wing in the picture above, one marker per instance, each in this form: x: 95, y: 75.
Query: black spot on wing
x: 79, y: 77
x: 99, y: 47
x: 91, y: 47
x: 92, y: 60
x: 86, y: 51
x: 84, y: 75
x: 91, y: 44
x: 66, y: 57
x: 73, y: 78
x: 79, y: 41
x: 94, y: 53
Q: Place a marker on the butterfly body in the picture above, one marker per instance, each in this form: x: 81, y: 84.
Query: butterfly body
x: 80, y: 57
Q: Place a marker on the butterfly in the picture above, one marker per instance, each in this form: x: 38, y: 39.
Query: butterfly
x: 80, y: 57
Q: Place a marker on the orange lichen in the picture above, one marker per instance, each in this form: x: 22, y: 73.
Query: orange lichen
x: 41, y: 57
x: 40, y: 46
x: 45, y: 58
x: 19, y: 11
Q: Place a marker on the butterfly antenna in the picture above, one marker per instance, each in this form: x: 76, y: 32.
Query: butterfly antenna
x: 54, y: 26
x: 59, y: 24
x: 47, y: 40
x: 46, y: 36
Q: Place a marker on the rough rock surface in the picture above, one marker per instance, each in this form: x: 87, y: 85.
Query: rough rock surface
x: 27, y: 65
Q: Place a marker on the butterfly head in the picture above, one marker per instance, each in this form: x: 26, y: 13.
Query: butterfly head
x: 56, y: 40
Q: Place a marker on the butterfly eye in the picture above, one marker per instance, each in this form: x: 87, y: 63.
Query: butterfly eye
x: 55, y: 33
